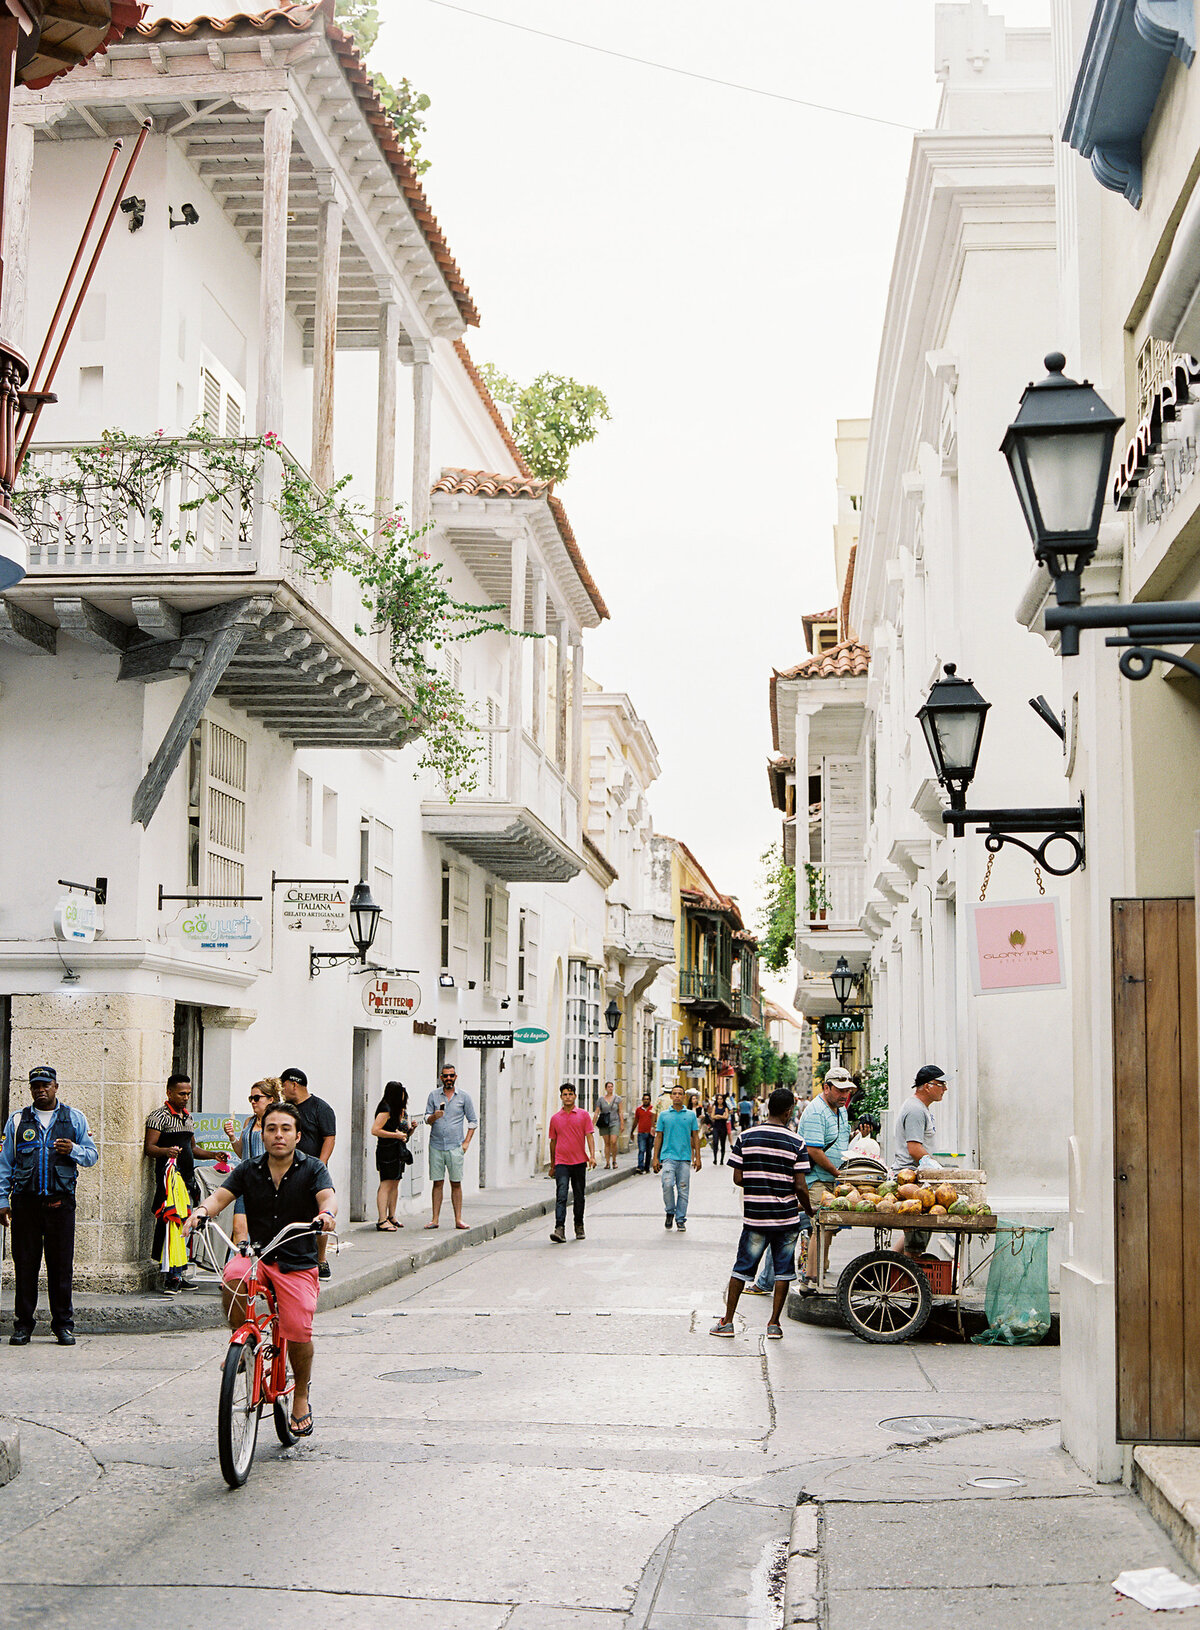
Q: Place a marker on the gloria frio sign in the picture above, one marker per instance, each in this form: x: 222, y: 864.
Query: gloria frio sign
x: 1017, y: 945
x: 216, y: 928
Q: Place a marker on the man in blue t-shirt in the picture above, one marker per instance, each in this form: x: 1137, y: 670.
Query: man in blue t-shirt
x: 676, y: 1156
x: 825, y: 1128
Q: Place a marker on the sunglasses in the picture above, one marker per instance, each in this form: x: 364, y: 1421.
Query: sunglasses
x: 259, y: 1098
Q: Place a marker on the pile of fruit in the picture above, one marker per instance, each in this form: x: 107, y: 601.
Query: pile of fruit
x: 901, y: 1196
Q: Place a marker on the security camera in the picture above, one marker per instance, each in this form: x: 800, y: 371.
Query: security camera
x: 135, y: 208
x: 190, y: 215
x: 504, y: 1001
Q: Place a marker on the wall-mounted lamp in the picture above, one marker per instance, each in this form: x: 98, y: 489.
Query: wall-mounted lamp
x: 842, y: 980
x: 364, y: 922
x: 135, y: 208
x: 189, y: 215
x: 612, y: 1016
x: 446, y: 981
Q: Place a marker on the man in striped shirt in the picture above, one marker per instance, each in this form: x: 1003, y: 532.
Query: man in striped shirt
x: 769, y: 1163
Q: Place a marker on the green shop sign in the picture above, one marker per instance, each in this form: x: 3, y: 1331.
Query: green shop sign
x: 530, y: 1033
x: 840, y: 1024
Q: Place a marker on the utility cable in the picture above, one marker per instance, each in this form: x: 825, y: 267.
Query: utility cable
x: 670, y: 68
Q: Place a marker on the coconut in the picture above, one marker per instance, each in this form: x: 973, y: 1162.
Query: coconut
x: 937, y: 1211
x: 909, y: 1191
x: 945, y: 1195
x: 927, y: 1199
x: 906, y: 1176
x: 960, y: 1208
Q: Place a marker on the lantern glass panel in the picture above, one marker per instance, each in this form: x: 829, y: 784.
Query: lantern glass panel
x: 364, y: 918
x: 1067, y: 473
x: 958, y: 739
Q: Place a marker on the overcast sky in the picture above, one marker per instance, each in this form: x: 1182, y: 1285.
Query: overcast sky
x: 717, y: 262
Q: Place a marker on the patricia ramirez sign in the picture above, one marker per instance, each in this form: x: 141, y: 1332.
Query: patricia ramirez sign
x: 391, y: 998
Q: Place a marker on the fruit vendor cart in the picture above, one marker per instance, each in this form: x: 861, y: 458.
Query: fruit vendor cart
x: 886, y: 1296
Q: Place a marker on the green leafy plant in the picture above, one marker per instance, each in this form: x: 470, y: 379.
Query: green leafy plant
x: 403, y: 105
x: 872, y: 1095
x: 777, y: 917
x: 188, y: 490
x: 551, y: 417
x: 818, y: 895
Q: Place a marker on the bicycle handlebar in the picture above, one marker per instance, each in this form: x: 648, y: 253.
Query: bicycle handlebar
x: 261, y: 1251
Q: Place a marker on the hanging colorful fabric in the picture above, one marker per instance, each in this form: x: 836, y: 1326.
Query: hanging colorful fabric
x: 174, y: 1212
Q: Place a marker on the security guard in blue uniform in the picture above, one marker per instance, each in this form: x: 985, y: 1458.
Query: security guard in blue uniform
x: 44, y: 1146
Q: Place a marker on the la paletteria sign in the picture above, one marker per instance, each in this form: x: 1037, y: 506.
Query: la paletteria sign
x: 78, y: 918
x: 216, y: 928
x: 391, y: 998
x: 1017, y: 946
x: 317, y: 908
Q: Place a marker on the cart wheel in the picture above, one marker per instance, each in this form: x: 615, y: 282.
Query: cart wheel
x: 883, y: 1297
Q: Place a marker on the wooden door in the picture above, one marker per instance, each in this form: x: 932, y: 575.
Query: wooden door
x: 1156, y: 1105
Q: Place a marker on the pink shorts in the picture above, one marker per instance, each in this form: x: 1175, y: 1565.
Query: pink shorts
x: 295, y: 1294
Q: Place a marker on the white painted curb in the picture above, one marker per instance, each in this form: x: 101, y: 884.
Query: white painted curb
x: 800, y: 1586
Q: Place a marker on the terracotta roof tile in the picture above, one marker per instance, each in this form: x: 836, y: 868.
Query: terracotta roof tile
x: 809, y: 618
x: 848, y: 660
x: 300, y: 18
x: 482, y: 484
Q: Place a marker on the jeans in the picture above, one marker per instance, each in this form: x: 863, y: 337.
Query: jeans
x: 676, y: 1180
x: 776, y: 1245
x: 719, y: 1131
x: 41, y: 1229
x: 572, y: 1177
x: 645, y: 1150
x: 766, y: 1274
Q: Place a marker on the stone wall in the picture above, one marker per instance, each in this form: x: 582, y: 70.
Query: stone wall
x: 113, y: 1055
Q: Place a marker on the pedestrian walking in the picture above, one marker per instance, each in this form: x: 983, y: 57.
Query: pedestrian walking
x: 718, y: 1118
x: 44, y: 1146
x: 770, y: 1164
x: 248, y: 1143
x: 318, y: 1134
x: 745, y: 1111
x: 610, y: 1123
x: 391, y: 1130
x: 572, y: 1156
x: 452, y: 1121
x: 677, y: 1156
x: 643, y: 1120
x: 825, y: 1128
x: 170, y: 1136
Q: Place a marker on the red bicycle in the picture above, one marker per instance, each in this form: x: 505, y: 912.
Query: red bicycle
x: 255, y: 1371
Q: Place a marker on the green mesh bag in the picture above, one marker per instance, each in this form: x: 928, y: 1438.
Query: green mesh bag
x: 1018, y: 1287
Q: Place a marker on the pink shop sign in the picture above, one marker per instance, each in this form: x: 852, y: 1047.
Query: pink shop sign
x: 1016, y: 945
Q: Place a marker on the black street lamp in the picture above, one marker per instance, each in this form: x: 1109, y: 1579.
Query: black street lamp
x: 842, y: 980
x: 1059, y: 449
x: 364, y: 924
x: 612, y: 1016
x: 952, y: 719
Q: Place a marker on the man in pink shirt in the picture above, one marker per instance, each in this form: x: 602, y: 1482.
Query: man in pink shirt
x: 572, y: 1156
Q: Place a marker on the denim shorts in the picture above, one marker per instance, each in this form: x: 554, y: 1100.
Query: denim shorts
x: 781, y: 1242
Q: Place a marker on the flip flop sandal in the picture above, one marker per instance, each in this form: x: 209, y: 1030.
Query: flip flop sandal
x: 299, y: 1430
x: 387, y: 1227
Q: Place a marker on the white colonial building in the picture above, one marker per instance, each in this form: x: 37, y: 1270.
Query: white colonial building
x: 194, y: 716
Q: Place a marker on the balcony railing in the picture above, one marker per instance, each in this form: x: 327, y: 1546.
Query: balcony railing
x: 647, y: 934
x: 750, y: 1007
x: 843, y: 891
x: 704, y: 987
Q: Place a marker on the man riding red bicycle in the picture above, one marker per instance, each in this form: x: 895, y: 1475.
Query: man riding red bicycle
x: 281, y: 1187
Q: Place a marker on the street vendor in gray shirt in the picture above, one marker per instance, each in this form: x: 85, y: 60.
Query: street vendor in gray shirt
x: 914, y: 1137
x: 915, y: 1131
x: 449, y: 1114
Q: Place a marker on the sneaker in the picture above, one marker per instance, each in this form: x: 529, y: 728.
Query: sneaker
x: 558, y: 1237
x: 681, y: 1228
x: 172, y: 1287
x: 324, y: 1271
x: 579, y: 1233
x: 774, y: 1332
x: 669, y: 1221
x: 723, y: 1327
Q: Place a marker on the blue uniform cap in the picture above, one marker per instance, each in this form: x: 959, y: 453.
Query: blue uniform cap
x: 42, y: 1072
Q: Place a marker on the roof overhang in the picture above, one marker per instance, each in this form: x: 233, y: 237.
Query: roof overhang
x: 505, y: 839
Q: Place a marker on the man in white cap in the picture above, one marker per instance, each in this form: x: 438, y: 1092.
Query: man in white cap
x: 825, y: 1128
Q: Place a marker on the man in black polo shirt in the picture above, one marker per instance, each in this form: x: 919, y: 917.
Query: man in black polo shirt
x: 318, y: 1131
x: 282, y: 1186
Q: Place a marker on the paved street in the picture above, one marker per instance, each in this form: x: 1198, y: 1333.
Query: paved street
x: 593, y: 1458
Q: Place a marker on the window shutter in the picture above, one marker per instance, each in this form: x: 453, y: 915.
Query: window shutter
x: 843, y: 812
x: 381, y: 885
x: 211, y: 395
x: 500, y: 941
x: 460, y: 920
x: 223, y: 802
x: 493, y: 720
x: 528, y: 933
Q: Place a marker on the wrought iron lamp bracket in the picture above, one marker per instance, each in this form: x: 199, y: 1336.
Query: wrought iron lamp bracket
x: 1148, y: 627
x: 995, y: 841
x: 1013, y: 826
x: 330, y: 959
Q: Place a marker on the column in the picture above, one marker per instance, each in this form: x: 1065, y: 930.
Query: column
x: 538, y: 658
x: 577, y: 716
x: 385, y: 413
x: 560, y: 694
x: 17, y: 198
x: 422, y: 384
x: 277, y: 152
x: 329, y: 254
x: 516, y: 667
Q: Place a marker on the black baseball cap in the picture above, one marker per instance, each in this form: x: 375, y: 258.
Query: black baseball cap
x: 298, y: 1076
x: 928, y: 1073
x: 42, y: 1072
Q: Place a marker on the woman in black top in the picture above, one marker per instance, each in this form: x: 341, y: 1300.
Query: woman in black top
x: 391, y: 1129
x: 719, y: 1115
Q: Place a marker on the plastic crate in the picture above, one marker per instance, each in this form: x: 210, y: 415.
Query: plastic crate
x: 939, y: 1273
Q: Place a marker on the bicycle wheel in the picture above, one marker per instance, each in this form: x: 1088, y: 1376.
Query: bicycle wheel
x: 237, y: 1413
x: 883, y: 1297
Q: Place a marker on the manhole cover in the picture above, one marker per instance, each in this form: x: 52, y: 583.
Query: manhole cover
x: 421, y: 1378
x: 930, y: 1426
x: 996, y: 1482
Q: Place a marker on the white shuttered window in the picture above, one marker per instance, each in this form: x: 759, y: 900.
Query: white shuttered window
x: 223, y: 809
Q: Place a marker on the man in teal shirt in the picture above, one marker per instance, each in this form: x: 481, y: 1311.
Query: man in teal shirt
x: 676, y: 1156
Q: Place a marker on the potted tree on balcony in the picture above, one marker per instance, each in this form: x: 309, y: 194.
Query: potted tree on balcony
x: 818, y: 897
